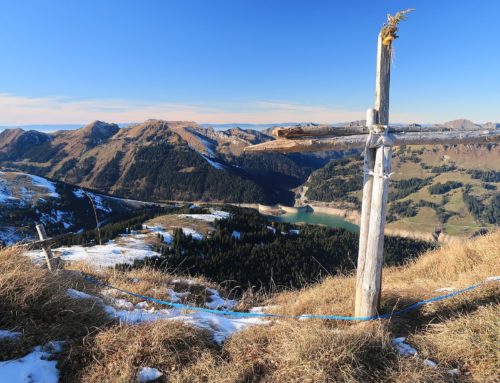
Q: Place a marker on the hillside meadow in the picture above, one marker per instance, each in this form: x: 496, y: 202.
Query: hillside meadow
x: 459, y: 335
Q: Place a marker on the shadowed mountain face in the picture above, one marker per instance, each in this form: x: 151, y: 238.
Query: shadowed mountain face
x: 159, y: 160
x: 26, y: 200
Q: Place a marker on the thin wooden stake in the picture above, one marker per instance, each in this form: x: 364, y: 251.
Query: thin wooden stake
x: 46, y: 248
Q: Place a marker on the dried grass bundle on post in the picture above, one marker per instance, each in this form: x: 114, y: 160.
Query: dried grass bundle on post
x: 390, y: 29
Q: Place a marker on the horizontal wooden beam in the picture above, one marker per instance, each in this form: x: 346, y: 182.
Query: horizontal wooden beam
x: 328, y: 130
x: 359, y: 141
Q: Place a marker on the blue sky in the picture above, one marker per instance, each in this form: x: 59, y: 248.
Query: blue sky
x: 243, y: 61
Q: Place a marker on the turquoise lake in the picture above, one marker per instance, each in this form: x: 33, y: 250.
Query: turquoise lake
x: 318, y: 219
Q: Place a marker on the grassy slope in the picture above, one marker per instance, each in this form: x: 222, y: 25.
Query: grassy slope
x: 464, y: 157
x: 457, y: 333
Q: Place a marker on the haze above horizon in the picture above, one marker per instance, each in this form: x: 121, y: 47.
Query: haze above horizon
x: 243, y: 62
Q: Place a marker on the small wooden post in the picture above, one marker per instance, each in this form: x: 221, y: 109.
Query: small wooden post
x: 46, y: 249
x: 370, y: 276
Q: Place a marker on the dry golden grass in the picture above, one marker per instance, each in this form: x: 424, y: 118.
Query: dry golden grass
x: 148, y: 281
x: 470, y: 343
x: 33, y: 301
x: 309, y: 352
x: 456, y: 265
x: 464, y: 331
x: 116, y: 354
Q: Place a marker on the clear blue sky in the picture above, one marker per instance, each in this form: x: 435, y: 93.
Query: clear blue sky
x: 71, y: 61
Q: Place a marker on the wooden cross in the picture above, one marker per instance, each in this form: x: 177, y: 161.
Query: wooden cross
x: 377, y: 137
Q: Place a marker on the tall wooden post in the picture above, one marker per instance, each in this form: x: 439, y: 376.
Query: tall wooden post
x: 46, y: 249
x: 369, y: 162
x: 372, y: 240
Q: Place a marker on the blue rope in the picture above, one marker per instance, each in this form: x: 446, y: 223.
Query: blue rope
x: 280, y: 316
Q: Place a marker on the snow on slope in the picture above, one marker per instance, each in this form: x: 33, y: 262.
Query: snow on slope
x: 43, y: 183
x: 127, y: 249
x: 96, y: 199
x: 193, y: 233
x: 158, y: 229
x: 148, y: 374
x: 213, y: 216
x: 213, y: 163
x: 36, y: 367
x: 25, y: 189
x: 221, y: 327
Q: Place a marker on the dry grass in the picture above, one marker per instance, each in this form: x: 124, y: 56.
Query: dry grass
x: 463, y: 334
x: 33, y: 301
x: 150, y: 282
x: 309, y: 352
x: 456, y: 265
x: 115, y: 355
x: 470, y: 343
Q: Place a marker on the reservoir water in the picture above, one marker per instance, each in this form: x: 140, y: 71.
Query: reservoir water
x: 318, y: 219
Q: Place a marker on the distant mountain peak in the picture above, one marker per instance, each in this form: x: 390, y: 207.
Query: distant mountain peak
x: 100, y: 130
x: 462, y: 123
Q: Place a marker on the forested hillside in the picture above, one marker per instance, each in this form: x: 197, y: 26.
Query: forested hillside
x: 159, y: 160
x: 454, y: 189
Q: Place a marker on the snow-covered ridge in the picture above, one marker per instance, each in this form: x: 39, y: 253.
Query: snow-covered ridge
x: 25, y: 189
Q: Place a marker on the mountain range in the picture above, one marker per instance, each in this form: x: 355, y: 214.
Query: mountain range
x: 168, y: 160
x: 159, y: 160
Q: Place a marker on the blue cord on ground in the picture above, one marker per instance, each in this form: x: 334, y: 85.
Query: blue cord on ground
x: 280, y: 316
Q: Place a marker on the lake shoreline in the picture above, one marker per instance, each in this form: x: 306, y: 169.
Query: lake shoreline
x: 351, y: 216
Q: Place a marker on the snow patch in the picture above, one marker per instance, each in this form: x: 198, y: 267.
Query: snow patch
x: 79, y: 193
x: 34, y: 367
x: 148, y: 374
x: 430, y: 363
x: 44, y: 183
x: 9, y: 335
x: 128, y: 250
x: 214, y: 164
x: 212, y: 217
x: 220, y: 326
x: 158, y: 229
x: 175, y: 296
x: 404, y: 349
x: 454, y: 372
x: 193, y: 233
x: 75, y: 294
x: 216, y: 302
x: 96, y: 199
x: 492, y: 279
x: 270, y: 228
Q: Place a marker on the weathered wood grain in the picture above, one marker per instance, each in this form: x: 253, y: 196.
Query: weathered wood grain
x: 358, y: 141
x: 368, y: 165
